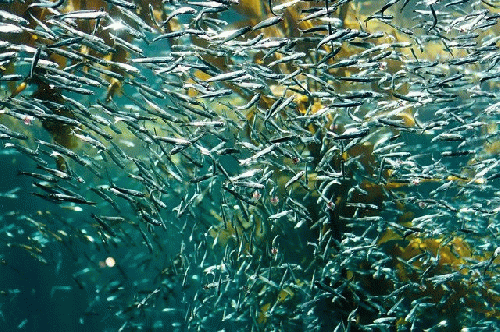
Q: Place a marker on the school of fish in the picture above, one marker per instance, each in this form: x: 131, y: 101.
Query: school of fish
x: 246, y: 165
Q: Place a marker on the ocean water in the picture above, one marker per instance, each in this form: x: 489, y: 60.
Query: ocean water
x: 275, y: 166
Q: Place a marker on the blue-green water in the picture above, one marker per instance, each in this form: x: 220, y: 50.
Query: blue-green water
x: 358, y: 193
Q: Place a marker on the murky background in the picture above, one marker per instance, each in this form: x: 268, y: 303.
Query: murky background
x: 206, y: 165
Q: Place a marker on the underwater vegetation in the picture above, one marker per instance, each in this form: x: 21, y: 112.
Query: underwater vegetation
x: 250, y: 165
